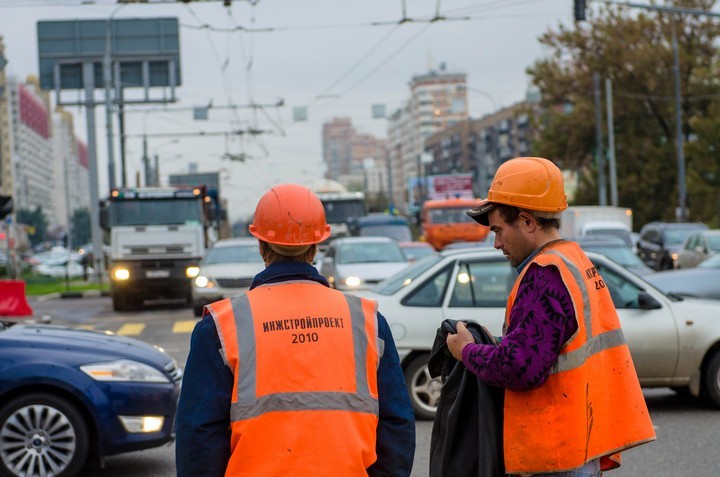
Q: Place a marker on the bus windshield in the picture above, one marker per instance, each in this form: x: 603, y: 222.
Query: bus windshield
x: 156, y: 212
x: 448, y: 215
x: 340, y: 210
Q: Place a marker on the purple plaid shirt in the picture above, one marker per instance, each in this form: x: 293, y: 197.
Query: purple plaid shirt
x: 542, y: 320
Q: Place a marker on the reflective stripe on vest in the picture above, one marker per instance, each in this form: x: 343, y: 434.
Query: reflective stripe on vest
x: 248, y: 405
x: 593, y: 344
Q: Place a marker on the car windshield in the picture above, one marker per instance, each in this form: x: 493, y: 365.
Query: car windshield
x: 623, y: 256
x: 622, y: 234
x: 406, y: 276
x: 677, y: 236
x: 370, y: 252
x: 416, y: 253
x: 233, y: 254
x: 399, y: 232
x: 714, y: 243
x: 712, y: 262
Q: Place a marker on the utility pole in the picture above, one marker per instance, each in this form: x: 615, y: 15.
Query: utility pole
x: 611, y: 143
x: 599, y: 156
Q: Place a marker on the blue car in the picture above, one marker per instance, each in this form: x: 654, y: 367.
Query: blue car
x: 70, y: 396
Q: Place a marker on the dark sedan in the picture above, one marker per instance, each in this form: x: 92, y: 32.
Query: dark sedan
x: 71, y: 396
x: 702, y: 281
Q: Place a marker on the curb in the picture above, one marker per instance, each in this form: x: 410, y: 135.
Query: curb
x: 73, y: 294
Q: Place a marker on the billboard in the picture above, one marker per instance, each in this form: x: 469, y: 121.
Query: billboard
x: 442, y: 186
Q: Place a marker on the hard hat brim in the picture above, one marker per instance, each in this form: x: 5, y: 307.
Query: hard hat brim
x: 480, y: 213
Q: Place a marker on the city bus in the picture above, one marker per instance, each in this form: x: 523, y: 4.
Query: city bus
x: 444, y: 221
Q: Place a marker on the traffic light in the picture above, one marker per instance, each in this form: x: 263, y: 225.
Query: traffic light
x: 6, y: 206
x: 580, y: 6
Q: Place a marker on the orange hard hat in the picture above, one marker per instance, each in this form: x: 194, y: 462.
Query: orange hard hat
x: 290, y: 214
x: 530, y: 183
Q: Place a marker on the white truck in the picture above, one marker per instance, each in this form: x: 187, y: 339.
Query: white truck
x: 157, y: 237
x: 584, y: 220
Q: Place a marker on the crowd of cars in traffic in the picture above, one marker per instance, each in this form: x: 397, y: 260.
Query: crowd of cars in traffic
x: 69, y: 396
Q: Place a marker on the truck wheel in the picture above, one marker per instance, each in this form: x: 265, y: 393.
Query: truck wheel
x: 424, y: 390
x: 119, y: 301
x: 712, y: 379
x: 39, y: 432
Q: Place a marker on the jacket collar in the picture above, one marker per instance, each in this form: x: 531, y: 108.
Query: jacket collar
x: 284, y: 271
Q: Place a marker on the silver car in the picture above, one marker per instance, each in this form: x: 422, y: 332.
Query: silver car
x: 356, y: 263
x: 674, y: 342
x: 697, y: 247
x: 228, y: 268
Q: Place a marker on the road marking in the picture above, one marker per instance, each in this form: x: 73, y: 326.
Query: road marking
x: 85, y: 327
x: 131, y: 329
x: 185, y: 326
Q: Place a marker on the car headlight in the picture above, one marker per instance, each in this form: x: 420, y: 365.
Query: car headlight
x: 204, y: 282
x: 124, y: 370
x: 120, y: 273
x: 353, y: 281
x: 192, y: 272
x: 142, y: 424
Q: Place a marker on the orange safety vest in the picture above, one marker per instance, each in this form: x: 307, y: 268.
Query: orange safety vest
x: 305, y: 399
x: 591, y: 406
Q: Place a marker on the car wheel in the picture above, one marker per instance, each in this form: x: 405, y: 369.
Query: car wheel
x: 712, y: 379
x: 198, y: 309
x: 42, y: 434
x: 666, y: 265
x: 424, y: 390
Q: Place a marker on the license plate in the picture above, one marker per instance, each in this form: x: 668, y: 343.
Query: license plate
x: 157, y: 273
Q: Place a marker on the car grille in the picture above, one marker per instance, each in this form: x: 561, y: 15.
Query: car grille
x: 174, y: 371
x: 234, y: 282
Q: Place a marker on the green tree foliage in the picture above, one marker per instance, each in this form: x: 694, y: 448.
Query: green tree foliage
x: 81, y: 233
x: 632, y: 47
x: 36, y: 220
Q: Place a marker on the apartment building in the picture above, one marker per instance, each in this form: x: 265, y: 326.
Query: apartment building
x: 479, y: 146
x: 438, y: 100
x: 31, y: 147
x: 6, y: 182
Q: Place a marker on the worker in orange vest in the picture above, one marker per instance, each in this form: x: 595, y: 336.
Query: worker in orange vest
x: 572, y: 396
x: 293, y: 377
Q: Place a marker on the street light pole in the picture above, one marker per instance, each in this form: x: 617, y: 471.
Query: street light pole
x: 107, y: 60
x: 681, y: 212
x: 107, y: 82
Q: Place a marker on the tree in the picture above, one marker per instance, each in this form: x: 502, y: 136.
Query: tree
x: 36, y: 221
x: 633, y: 48
x: 81, y: 233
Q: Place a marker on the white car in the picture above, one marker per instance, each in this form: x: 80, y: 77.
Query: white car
x: 64, y: 267
x: 357, y: 263
x: 228, y: 268
x: 674, y: 342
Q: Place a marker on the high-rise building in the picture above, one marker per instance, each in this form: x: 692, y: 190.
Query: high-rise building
x: 337, y: 136
x: 6, y: 180
x: 71, y: 191
x: 31, y: 147
x: 347, y: 154
x: 438, y: 99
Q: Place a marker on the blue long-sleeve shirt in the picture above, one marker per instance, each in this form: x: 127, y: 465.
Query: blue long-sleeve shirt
x: 202, y: 447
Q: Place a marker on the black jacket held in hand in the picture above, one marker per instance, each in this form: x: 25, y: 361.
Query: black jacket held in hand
x: 466, y: 436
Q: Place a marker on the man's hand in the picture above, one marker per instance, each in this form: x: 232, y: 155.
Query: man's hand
x: 457, y: 342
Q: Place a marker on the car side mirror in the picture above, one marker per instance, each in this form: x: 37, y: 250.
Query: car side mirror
x: 647, y: 302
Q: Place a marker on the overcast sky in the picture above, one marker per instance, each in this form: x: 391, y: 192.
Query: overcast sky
x: 338, y: 57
